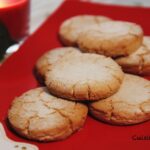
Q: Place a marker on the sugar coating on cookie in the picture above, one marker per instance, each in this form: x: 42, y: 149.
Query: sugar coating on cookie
x: 84, y: 77
x: 139, y: 61
x: 113, y: 38
x: 40, y: 116
x: 52, y: 56
x: 130, y: 105
x: 72, y: 27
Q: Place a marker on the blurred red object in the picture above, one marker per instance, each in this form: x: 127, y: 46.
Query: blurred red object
x: 14, y: 15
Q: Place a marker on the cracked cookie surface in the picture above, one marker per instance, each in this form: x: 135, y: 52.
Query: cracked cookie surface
x: 130, y: 105
x: 49, y: 58
x: 72, y: 27
x: 40, y: 116
x: 139, y: 61
x: 112, y: 38
x: 84, y: 77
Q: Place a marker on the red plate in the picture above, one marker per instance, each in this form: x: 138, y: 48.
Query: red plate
x: 16, y: 77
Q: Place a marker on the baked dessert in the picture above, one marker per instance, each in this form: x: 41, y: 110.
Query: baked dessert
x: 139, y: 61
x: 72, y: 27
x: 130, y: 105
x: 51, y: 57
x: 40, y: 116
x: 83, y: 76
x: 112, y: 38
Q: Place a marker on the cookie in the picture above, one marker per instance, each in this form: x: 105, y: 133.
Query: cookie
x: 40, y: 116
x: 7, y: 144
x: 139, y: 61
x: 130, y: 105
x: 113, y: 38
x: 72, y: 27
x: 84, y: 77
x: 52, y: 56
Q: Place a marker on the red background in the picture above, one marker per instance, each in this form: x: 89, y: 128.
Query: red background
x: 16, y: 76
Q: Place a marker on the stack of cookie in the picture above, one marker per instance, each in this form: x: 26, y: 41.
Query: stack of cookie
x: 120, y: 40
x: 77, y: 82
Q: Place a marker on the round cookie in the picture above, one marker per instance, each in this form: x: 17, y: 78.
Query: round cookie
x: 113, y: 38
x: 38, y: 115
x: 130, y: 105
x: 72, y: 27
x: 49, y: 58
x: 84, y: 77
x: 139, y: 61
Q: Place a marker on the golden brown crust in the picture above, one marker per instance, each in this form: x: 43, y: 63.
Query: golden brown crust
x: 139, y: 61
x: 72, y: 27
x: 40, y: 116
x: 113, y: 38
x: 49, y: 58
x: 84, y: 77
x: 130, y: 105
